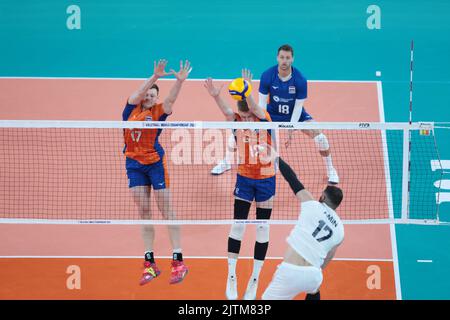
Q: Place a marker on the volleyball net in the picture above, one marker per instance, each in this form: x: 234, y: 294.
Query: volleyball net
x: 74, y: 172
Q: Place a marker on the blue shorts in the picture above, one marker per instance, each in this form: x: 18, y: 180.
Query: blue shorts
x: 305, y: 116
x: 155, y: 174
x: 254, y: 189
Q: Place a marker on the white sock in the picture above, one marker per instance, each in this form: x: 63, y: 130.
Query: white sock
x: 232, y: 267
x: 257, y: 266
x: 228, y: 157
x: 328, y: 163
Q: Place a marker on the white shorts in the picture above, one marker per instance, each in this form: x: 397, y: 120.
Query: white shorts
x: 289, y: 280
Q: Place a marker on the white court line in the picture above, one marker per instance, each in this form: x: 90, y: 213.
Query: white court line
x: 200, y: 79
x: 169, y: 257
x: 169, y: 79
x: 398, y: 289
x: 425, y: 261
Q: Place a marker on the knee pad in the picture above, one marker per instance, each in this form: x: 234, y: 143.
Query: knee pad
x: 262, y: 213
x: 234, y: 246
x: 322, y: 142
x: 262, y: 233
x: 262, y: 242
x: 241, y: 209
x: 237, y: 231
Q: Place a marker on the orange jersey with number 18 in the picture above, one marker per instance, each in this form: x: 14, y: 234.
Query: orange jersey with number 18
x: 254, y: 148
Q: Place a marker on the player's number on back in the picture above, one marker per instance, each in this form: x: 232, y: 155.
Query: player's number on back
x: 283, y: 108
x: 322, y: 226
x: 136, y: 135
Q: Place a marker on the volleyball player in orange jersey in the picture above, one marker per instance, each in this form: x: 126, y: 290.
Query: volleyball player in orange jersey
x: 147, y: 166
x: 255, y: 182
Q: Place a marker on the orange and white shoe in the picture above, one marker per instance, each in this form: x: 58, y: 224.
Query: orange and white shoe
x: 151, y: 271
x: 179, y: 271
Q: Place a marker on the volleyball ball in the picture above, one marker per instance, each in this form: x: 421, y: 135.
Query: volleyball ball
x: 239, y: 89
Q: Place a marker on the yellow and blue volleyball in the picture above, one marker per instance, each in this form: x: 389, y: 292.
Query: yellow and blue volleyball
x: 239, y: 89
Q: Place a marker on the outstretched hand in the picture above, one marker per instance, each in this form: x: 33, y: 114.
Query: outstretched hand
x: 159, y: 68
x: 247, y: 75
x: 212, y: 90
x: 184, y: 71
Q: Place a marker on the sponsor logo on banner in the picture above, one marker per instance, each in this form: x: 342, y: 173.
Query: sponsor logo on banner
x: 285, y: 126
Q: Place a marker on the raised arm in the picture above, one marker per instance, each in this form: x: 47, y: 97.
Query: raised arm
x: 252, y: 105
x: 158, y: 72
x: 215, y: 93
x: 263, y: 93
x: 296, y: 186
x: 173, y: 94
x: 300, y: 98
x: 329, y: 256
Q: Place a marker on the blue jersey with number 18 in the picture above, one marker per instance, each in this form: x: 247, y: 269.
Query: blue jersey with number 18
x: 282, y: 94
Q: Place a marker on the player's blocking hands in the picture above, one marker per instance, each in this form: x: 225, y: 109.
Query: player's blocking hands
x: 159, y: 68
x: 212, y: 90
x: 247, y: 75
x: 185, y: 69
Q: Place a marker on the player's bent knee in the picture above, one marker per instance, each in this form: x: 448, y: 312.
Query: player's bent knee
x: 148, y: 228
x: 262, y: 233
x: 322, y: 142
x: 174, y: 228
x: 237, y: 231
x: 290, y: 280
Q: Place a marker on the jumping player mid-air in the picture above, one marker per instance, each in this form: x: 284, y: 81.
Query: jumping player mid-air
x: 147, y: 167
x: 255, y: 182
x: 312, y: 243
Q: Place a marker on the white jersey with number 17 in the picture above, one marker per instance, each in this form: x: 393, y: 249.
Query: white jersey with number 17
x: 317, y: 231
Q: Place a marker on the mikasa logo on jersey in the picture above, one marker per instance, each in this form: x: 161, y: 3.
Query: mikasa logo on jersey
x: 276, y: 98
x: 291, y: 90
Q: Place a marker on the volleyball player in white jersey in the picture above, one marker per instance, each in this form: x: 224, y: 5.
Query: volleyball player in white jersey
x: 311, y: 244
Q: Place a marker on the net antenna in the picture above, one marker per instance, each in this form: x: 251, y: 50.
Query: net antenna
x: 407, y: 143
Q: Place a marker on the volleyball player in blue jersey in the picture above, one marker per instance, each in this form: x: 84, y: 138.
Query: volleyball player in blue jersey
x: 282, y: 92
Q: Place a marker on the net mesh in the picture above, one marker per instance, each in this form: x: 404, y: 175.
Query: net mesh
x: 79, y: 174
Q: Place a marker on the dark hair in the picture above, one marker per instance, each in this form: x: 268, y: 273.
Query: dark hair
x: 242, y: 106
x: 155, y: 87
x: 286, y: 47
x: 333, y: 195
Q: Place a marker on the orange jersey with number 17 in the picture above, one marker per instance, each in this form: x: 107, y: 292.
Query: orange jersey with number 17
x: 142, y: 145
